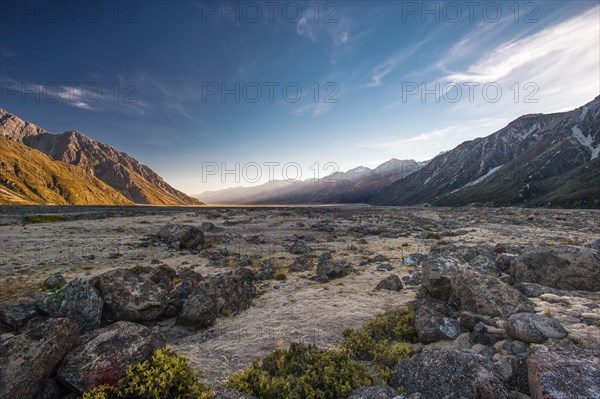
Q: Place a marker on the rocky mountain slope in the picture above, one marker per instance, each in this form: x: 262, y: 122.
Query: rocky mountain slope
x: 136, y: 182
x: 541, y: 160
x: 357, y: 185
x: 28, y: 176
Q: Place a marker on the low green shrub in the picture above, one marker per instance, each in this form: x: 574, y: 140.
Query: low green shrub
x: 166, y: 376
x: 382, y: 340
x: 301, y: 372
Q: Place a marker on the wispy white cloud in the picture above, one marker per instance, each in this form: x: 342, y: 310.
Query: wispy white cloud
x: 426, y: 145
x: 576, y: 40
x: 314, y: 109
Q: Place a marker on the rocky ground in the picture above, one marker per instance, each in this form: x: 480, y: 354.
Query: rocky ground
x: 515, y: 291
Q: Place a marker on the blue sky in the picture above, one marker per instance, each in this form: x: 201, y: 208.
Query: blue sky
x: 349, y: 82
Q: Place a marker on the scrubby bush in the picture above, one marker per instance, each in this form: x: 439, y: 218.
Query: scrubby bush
x: 166, y: 376
x: 301, y: 372
x: 381, y: 340
x: 280, y: 276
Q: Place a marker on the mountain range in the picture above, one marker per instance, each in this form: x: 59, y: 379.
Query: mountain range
x: 74, y: 169
x: 357, y: 185
x: 536, y: 160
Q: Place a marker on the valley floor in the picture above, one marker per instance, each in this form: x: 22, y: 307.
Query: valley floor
x: 96, y: 239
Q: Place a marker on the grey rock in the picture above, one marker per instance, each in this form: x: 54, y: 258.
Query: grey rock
x: 561, y: 369
x: 188, y: 237
x: 440, y: 374
x: 29, y: 358
x: 163, y: 276
x: 78, y: 301
x: 128, y: 296
x: 266, y: 272
x: 301, y: 264
x: 17, y: 315
x: 234, y: 290
x: 533, y: 328
x: 563, y: 267
x: 436, y: 275
x: 200, y: 310
x: 54, y: 281
x: 299, y: 248
x: 414, y: 278
x: 391, y: 283
x: 432, y: 326
x: 102, y: 356
x: 334, y: 269
x: 374, y: 392
x: 486, y: 295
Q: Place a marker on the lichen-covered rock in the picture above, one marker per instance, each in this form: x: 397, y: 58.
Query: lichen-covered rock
x: 103, y: 355
x: 78, y: 301
x: 432, y: 326
x: 234, y: 290
x: 266, y: 272
x: 436, y: 275
x: 440, y: 374
x: 163, y: 276
x: 54, y: 281
x: 129, y: 296
x: 181, y: 236
x: 561, y: 369
x: 391, y: 283
x: 299, y: 248
x: 562, y: 267
x: 200, y: 310
x: 29, y: 358
x: 329, y: 269
x: 17, y: 315
x: 486, y: 295
x: 533, y: 328
x: 302, y: 264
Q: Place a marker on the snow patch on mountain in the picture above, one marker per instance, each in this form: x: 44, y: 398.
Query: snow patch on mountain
x: 586, y: 141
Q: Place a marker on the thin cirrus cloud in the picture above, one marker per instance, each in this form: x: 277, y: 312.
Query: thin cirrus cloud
x: 577, y: 37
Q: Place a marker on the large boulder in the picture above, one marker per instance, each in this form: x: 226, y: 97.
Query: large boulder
x: 129, y: 296
x: 78, y: 301
x: 533, y: 328
x: 329, y: 269
x: 234, y: 290
x: 441, y: 374
x: 102, y: 356
x: 16, y: 315
x: 181, y: 236
x: 432, y: 326
x: 374, y: 392
x: 486, y: 295
x: 391, y: 283
x: 436, y: 275
x: 200, y: 310
x: 29, y: 358
x: 561, y: 369
x: 562, y: 267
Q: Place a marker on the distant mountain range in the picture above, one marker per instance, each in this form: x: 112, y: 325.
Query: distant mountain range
x: 538, y: 160
x: 357, y: 185
x: 37, y: 167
